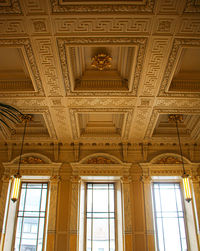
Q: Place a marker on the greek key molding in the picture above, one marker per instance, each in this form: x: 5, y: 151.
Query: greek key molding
x: 61, y: 7
x: 48, y: 67
x: 102, y: 25
x: 10, y: 7
x: 178, y: 44
x: 25, y: 44
x: 192, y: 6
x: 140, y: 43
x: 189, y: 26
x: 157, y: 58
x: 14, y: 26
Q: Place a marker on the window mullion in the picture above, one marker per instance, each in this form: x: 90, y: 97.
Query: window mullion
x: 22, y: 217
x: 161, y: 212
x: 39, y: 217
x: 177, y: 212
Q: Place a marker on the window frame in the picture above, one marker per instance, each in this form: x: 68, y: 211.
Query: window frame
x: 115, y: 210
x: 32, y: 181
x: 171, y: 181
x: 119, y: 238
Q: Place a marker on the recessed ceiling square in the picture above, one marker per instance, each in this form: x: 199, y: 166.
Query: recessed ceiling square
x: 14, y: 74
x: 186, y: 77
x: 188, y: 128
x: 100, y: 124
x: 112, y: 74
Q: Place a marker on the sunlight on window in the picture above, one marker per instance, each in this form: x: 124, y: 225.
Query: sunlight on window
x: 31, y: 217
x: 169, y: 217
x: 100, y: 217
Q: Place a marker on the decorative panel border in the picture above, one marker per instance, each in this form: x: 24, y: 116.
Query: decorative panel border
x: 126, y: 124
x: 79, y: 7
x: 154, y: 118
x: 178, y: 45
x: 138, y: 42
x: 10, y: 7
x: 26, y: 47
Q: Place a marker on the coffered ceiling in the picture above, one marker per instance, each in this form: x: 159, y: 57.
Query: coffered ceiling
x: 47, y: 50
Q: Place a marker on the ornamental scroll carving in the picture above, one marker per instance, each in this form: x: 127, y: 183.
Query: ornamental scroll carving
x: 32, y: 160
x: 168, y: 160
x: 100, y: 160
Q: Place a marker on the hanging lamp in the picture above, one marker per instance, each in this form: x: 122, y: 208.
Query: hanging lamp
x: 17, y: 176
x: 186, y: 183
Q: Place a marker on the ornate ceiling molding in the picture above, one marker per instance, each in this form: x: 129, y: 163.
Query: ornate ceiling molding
x: 138, y: 42
x: 62, y: 7
x: 154, y: 118
x: 25, y: 45
x: 10, y: 7
x: 126, y: 123
x: 178, y: 44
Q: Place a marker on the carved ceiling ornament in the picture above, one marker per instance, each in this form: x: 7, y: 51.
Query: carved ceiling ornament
x: 101, y: 62
x: 100, y: 160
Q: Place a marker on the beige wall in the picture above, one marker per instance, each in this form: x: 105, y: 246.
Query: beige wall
x: 138, y: 231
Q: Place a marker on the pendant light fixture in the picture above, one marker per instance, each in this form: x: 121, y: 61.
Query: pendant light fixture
x: 17, y: 176
x: 186, y: 184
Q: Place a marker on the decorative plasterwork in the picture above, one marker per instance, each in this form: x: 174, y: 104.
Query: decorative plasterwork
x: 10, y: 7
x: 47, y: 168
x: 139, y: 43
x: 26, y: 47
x: 154, y: 168
x: 192, y: 6
x: 178, y: 45
x: 101, y: 25
x: 48, y: 125
x: 115, y: 168
x: 112, y: 7
x: 126, y: 123
x: 155, y: 115
x: 100, y: 160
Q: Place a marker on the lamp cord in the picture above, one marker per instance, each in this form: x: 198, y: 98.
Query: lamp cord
x: 22, y: 146
x: 179, y: 140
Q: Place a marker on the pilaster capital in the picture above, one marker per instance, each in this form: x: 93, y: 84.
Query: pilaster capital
x: 195, y: 178
x: 54, y: 179
x: 126, y: 179
x: 75, y: 179
x: 146, y: 179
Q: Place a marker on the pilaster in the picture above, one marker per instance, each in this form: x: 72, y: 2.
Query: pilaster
x: 51, y: 232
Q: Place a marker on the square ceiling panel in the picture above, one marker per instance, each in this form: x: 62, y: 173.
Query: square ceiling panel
x: 38, y: 127
x: 186, y: 77
x: 188, y: 128
x: 122, y: 57
x: 100, y: 124
x: 14, y: 74
x: 85, y: 77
